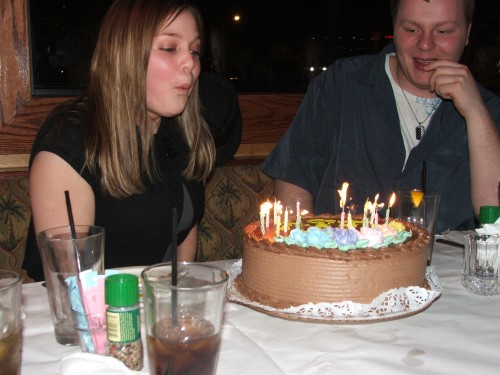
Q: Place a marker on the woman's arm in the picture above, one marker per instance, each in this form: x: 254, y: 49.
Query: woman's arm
x: 186, y: 252
x: 50, y: 176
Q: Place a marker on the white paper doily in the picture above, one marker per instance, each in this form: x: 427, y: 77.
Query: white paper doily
x: 392, y: 304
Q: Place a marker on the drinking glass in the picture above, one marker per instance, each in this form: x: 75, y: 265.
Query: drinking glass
x: 420, y: 209
x: 481, y: 255
x: 10, y: 322
x: 183, y: 322
x: 57, y: 249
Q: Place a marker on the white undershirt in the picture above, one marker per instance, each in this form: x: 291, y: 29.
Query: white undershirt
x: 421, y: 106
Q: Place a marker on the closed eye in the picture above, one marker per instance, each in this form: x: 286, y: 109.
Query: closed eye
x: 167, y: 49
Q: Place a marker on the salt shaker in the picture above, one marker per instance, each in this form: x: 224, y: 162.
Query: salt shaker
x: 123, y: 320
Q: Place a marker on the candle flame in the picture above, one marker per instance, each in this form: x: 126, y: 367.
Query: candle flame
x: 392, y: 200
x: 343, y: 194
x: 266, y: 206
x: 278, y: 207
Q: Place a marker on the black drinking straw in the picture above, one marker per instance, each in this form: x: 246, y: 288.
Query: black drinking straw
x: 424, y: 176
x: 75, y: 249
x: 73, y: 231
x: 174, y: 265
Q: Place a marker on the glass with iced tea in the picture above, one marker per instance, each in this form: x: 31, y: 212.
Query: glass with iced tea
x: 183, y: 322
x: 10, y: 323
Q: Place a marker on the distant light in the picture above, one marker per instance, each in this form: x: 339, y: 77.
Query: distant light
x: 236, y: 18
x: 389, y: 36
x: 311, y: 69
x: 323, y: 68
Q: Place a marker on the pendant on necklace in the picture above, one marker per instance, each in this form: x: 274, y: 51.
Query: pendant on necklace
x: 419, y: 132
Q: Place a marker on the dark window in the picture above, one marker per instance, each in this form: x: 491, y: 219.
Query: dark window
x: 62, y: 36
x: 274, y: 46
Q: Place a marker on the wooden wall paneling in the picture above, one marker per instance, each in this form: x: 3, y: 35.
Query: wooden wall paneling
x: 265, y: 118
x: 17, y: 136
x: 15, y: 86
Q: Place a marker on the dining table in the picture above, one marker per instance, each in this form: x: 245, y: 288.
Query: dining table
x: 458, y: 333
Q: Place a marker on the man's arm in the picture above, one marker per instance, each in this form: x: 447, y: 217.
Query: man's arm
x: 455, y: 82
x: 288, y: 194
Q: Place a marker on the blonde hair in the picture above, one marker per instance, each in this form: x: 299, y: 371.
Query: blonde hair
x: 119, y: 140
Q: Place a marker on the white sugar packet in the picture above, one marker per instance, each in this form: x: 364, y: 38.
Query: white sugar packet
x: 489, y: 229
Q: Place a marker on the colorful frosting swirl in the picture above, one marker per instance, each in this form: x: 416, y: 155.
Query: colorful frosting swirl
x: 322, y: 235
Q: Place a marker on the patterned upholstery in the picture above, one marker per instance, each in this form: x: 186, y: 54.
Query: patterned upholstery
x: 15, y: 215
x: 233, y: 196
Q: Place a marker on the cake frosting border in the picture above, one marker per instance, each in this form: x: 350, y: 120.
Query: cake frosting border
x: 392, y: 304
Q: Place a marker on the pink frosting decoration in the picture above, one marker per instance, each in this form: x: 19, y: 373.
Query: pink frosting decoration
x: 373, y: 235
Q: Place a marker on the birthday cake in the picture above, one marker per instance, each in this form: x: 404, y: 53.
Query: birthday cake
x: 316, y: 261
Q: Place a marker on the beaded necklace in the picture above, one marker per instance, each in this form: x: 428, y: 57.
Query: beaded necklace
x: 420, y: 128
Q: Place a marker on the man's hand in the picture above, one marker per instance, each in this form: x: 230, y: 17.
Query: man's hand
x: 454, y: 81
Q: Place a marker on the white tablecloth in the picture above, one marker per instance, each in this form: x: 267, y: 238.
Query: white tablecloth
x: 458, y: 334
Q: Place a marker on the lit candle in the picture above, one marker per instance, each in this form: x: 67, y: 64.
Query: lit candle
x: 275, y: 210
x: 278, y: 210
x: 367, y: 207
x: 297, y: 221
x: 374, y: 214
x: 342, y: 215
x: 285, y: 229
x: 267, y: 210
x: 343, y: 194
x: 380, y: 205
x: 391, y: 202
x: 262, y: 219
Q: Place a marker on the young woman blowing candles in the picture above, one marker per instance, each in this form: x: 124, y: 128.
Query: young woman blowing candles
x: 135, y: 145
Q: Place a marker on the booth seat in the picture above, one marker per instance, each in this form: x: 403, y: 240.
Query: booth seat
x: 233, y: 196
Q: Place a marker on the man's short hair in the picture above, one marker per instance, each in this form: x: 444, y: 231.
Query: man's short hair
x: 469, y: 6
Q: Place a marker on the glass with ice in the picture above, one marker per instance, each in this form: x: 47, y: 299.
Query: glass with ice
x: 183, y: 322
x: 10, y: 323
